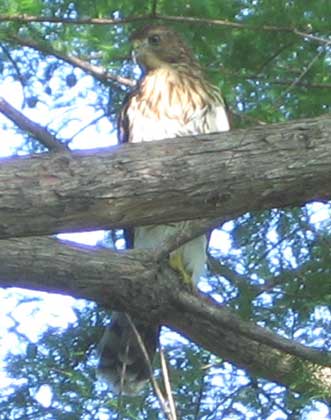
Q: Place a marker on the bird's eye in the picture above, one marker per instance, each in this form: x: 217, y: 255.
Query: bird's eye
x: 154, y: 39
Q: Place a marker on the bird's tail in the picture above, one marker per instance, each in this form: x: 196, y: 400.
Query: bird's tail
x: 122, y: 363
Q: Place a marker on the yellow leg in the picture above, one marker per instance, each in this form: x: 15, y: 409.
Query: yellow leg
x: 176, y: 262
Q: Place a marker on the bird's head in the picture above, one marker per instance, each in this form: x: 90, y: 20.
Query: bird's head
x: 157, y: 46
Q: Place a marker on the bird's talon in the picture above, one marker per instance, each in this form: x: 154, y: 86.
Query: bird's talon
x: 176, y: 263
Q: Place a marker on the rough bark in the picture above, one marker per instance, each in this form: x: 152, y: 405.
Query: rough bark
x: 134, y: 280
x: 216, y: 175
x: 213, y: 176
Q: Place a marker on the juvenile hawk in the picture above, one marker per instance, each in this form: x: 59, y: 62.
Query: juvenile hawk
x: 172, y: 99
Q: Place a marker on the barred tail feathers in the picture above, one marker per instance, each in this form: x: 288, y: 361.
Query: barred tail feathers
x: 122, y: 363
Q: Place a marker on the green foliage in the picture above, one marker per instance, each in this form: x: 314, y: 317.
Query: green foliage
x: 282, y: 257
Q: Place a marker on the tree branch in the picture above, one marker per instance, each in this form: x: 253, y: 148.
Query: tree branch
x: 35, y: 130
x: 218, y: 22
x: 97, y: 72
x: 222, y: 316
x: 88, y: 273
x: 245, y: 26
x: 214, y: 176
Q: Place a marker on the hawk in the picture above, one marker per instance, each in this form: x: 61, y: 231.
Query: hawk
x: 172, y: 99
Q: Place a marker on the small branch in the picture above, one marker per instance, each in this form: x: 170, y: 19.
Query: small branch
x: 98, y: 72
x: 155, y: 385
x: 102, y: 21
x: 236, y: 25
x: 302, y: 74
x: 312, y: 37
x: 35, y: 130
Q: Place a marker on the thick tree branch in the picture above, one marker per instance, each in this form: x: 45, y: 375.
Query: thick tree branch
x: 94, y: 274
x: 35, y: 130
x: 222, y: 316
x: 216, y: 176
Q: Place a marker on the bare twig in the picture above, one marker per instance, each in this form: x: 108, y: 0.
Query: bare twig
x: 167, y: 385
x: 37, y: 131
x: 155, y: 385
x: 98, y: 72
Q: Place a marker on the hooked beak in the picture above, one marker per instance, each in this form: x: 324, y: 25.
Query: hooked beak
x: 137, y: 50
